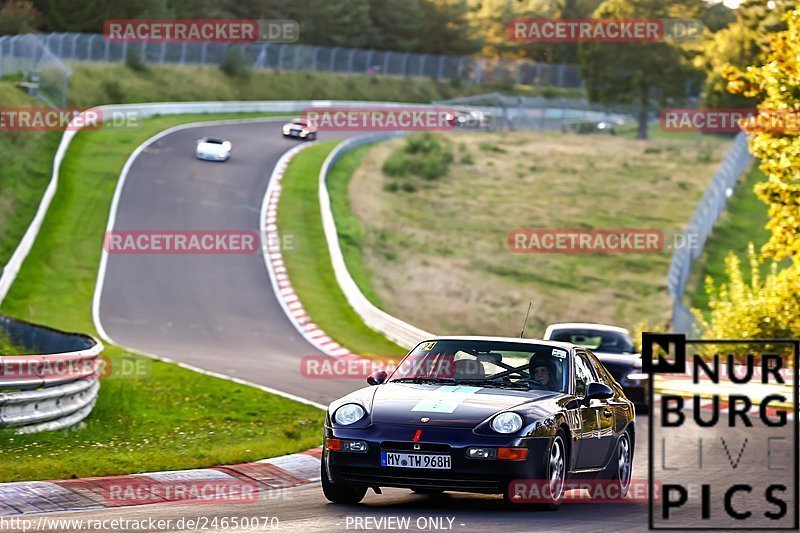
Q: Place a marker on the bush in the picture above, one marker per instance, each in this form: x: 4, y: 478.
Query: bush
x: 233, y: 65
x: 114, y: 91
x: 762, y: 308
x: 134, y: 60
x: 466, y: 159
x: 426, y: 156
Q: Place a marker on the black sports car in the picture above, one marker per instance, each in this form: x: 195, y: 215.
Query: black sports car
x: 481, y: 414
x: 614, y: 348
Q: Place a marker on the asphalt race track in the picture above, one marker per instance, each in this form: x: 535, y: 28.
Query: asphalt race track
x: 216, y: 312
x: 219, y: 313
x: 304, y: 509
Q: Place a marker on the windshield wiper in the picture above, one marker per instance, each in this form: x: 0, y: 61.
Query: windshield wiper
x: 496, y: 383
x: 422, y: 380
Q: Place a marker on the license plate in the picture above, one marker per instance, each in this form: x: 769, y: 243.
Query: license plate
x: 415, y: 460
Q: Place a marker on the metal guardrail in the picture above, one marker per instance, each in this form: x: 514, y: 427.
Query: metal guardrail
x: 55, y: 390
x: 709, y: 208
x: 391, y: 327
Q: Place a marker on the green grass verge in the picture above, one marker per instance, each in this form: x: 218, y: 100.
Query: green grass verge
x: 742, y: 222
x: 97, y: 84
x: 170, y: 418
x: 308, y: 263
x: 24, y: 173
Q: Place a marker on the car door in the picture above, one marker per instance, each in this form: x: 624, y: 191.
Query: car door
x: 597, y: 418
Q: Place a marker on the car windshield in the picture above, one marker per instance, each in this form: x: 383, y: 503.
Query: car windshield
x: 485, y: 363
x: 596, y: 340
x: 213, y: 141
x: 300, y: 122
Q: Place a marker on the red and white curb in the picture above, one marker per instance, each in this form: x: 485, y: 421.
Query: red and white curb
x: 273, y: 258
x: 267, y: 478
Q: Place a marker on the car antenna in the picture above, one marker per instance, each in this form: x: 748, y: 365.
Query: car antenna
x: 525, y: 324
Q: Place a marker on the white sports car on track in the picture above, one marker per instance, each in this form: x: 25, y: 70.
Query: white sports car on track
x: 213, y: 149
x: 300, y: 128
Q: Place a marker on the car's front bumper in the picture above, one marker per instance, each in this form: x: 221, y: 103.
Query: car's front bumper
x: 212, y: 157
x: 468, y: 475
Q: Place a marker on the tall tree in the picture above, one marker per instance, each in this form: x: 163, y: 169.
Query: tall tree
x: 19, y: 16
x: 335, y: 22
x: 398, y: 24
x: 741, y: 44
x: 78, y: 15
x: 447, y: 28
x: 775, y: 82
x: 635, y: 72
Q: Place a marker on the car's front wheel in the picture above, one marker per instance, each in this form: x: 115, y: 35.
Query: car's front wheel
x: 339, y: 492
x: 550, y: 492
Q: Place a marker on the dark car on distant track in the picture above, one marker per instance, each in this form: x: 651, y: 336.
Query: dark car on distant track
x: 478, y: 414
x: 614, y: 348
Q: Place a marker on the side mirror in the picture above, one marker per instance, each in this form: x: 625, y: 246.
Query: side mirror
x: 598, y: 391
x: 378, y: 377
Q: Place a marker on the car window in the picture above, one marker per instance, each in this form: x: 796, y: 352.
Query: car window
x: 583, y: 374
x: 594, y: 339
x: 600, y: 371
x: 504, y: 363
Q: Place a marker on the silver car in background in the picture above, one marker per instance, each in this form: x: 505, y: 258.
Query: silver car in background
x: 213, y: 149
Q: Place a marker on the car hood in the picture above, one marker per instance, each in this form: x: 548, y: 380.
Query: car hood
x: 453, y: 405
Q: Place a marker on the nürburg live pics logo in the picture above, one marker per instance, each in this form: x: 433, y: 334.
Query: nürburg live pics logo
x: 723, y: 434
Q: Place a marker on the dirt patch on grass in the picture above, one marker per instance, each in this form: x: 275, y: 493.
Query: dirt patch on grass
x: 439, y: 256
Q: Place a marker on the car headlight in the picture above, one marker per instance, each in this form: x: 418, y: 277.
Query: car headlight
x: 349, y: 413
x: 286, y: 129
x: 506, y: 423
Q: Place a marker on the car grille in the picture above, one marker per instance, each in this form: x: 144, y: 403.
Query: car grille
x: 442, y: 480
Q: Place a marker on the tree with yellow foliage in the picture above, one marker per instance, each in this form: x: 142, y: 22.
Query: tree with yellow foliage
x: 769, y: 307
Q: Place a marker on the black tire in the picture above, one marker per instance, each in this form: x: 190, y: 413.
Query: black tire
x: 622, y: 465
x: 556, y: 463
x: 338, y: 492
x: 312, y: 136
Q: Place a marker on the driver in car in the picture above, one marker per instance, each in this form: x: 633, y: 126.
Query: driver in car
x: 543, y: 372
